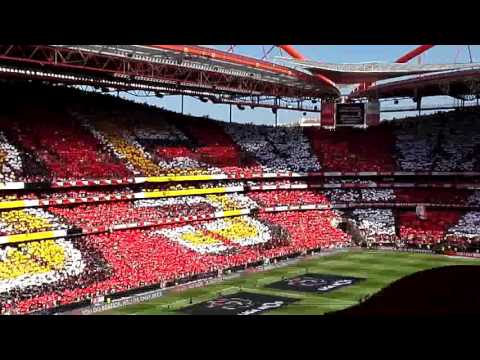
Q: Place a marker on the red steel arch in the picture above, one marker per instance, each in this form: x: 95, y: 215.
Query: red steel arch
x: 402, y: 59
x: 294, y: 53
x: 414, y: 53
x: 290, y: 50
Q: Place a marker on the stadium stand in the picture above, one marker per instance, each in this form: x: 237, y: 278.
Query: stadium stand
x: 60, y: 145
x: 345, y: 150
x: 115, y: 237
x: 277, y: 149
x: 440, y: 142
x: 215, y: 147
x: 115, y: 213
x: 429, y: 231
x: 10, y: 161
x: 468, y: 225
x: 28, y: 220
x: 134, y: 258
x: 288, y: 197
x: 378, y: 225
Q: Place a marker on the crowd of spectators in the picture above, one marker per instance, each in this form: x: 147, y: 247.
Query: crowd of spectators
x: 170, y: 147
x: 130, y: 259
x: 429, y: 231
x: 68, y: 151
x: 10, y: 161
x: 220, y: 235
x: 119, y: 141
x: 67, y: 193
x: 233, y: 201
x: 310, y: 229
x: 58, y: 144
x: 288, y: 197
x: 93, y: 140
x: 377, y: 225
x: 24, y: 221
x: 276, y: 149
x: 17, y: 164
x: 347, y: 149
x: 40, y: 262
x: 468, y: 226
x: 189, y: 185
x: 359, y: 195
x: 216, y: 147
x: 87, y: 216
x: 180, y: 206
x: 431, y: 195
x: 438, y: 142
x: 474, y: 198
x: 90, y: 140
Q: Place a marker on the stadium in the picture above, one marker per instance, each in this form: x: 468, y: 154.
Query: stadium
x: 110, y: 205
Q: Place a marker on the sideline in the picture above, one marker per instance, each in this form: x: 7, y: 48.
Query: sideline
x: 155, y: 294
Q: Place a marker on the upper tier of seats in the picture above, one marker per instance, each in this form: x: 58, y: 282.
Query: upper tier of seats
x: 66, y: 135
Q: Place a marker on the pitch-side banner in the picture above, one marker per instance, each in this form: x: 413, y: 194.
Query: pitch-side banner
x: 350, y: 115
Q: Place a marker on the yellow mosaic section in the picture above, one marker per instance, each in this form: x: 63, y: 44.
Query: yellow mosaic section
x: 3, y: 156
x: 197, y: 238
x: 155, y: 193
x: 7, y: 197
x: 132, y: 154
x: 32, y: 258
x: 22, y: 222
x: 238, y: 229
x: 226, y: 203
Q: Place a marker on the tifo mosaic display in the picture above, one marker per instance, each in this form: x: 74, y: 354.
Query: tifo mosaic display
x: 103, y: 195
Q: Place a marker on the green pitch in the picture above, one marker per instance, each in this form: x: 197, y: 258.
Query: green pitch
x: 379, y: 268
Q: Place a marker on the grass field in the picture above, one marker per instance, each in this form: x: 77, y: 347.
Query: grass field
x: 378, y: 267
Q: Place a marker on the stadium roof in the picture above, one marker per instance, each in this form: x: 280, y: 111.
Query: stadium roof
x: 369, y: 72
x: 187, y: 69
x: 452, y: 83
x: 225, y: 77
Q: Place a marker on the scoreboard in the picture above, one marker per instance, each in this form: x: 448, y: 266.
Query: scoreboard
x: 328, y: 114
x: 350, y: 114
x: 373, y: 112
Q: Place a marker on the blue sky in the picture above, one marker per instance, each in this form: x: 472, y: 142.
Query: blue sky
x: 324, y: 53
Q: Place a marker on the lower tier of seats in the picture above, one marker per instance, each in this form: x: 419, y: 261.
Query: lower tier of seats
x: 43, y: 274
